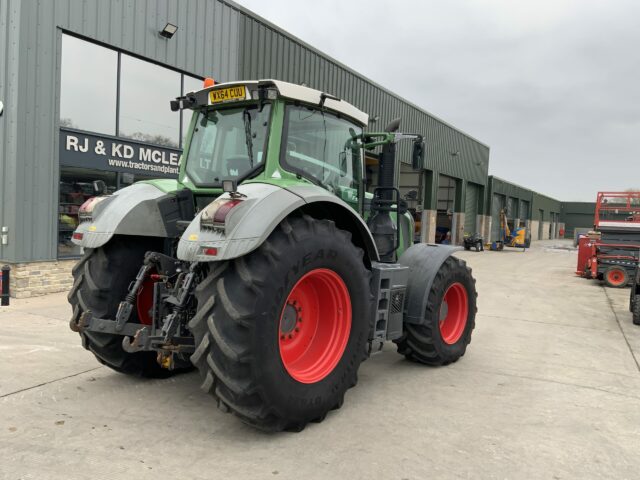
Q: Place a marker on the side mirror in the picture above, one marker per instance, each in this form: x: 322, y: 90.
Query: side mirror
x: 393, y: 125
x: 417, y: 156
x: 99, y: 187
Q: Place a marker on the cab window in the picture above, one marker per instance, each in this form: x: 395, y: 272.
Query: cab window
x: 323, y: 148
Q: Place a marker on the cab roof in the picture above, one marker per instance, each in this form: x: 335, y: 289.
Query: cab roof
x: 303, y: 94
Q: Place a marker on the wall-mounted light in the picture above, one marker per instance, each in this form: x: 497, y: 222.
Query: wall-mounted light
x: 374, y: 119
x: 1, y: 108
x: 169, y: 30
x: 455, y: 154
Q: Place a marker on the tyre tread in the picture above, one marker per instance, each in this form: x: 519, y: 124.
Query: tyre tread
x: 226, y: 334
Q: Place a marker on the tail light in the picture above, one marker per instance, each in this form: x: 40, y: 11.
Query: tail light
x: 85, y: 212
x: 215, y: 214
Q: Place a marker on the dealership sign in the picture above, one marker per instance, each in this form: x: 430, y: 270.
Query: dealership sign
x: 86, y: 150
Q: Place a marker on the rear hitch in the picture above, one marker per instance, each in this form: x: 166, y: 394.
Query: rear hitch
x: 164, y: 265
x: 166, y: 332
x: 140, y: 341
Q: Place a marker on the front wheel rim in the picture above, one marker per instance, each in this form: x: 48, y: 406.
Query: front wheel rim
x: 314, y: 325
x: 453, y: 313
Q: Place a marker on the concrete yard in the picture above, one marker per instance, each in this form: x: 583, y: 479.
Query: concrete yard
x: 549, y: 388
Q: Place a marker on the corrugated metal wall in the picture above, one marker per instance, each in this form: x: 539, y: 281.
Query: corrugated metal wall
x: 9, y: 62
x: 577, y: 215
x: 216, y: 38
x: 207, y: 41
x: 547, y: 204
x: 511, y: 190
x: 536, y: 201
x: 267, y: 52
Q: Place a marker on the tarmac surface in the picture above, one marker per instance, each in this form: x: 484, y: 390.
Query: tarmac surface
x: 549, y: 388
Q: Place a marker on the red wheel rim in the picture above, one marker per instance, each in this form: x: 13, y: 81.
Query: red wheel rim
x: 315, y: 324
x: 453, y: 314
x: 615, y: 277
x: 144, y: 302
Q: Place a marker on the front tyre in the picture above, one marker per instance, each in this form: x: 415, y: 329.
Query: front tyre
x: 280, y: 333
x: 449, y: 318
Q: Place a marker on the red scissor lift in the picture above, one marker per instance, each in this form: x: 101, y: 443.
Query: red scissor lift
x: 610, y: 252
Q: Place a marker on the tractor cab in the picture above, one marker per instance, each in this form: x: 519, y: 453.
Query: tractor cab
x: 283, y: 134
x: 275, y: 132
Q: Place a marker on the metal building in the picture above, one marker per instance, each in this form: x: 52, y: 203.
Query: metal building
x: 538, y: 213
x: 85, y: 86
x: 577, y: 215
x: 78, y: 74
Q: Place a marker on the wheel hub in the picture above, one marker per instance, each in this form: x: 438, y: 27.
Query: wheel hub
x: 290, y: 318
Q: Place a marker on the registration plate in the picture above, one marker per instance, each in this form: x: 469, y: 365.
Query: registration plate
x: 227, y: 94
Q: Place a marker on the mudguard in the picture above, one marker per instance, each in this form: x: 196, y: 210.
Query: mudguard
x: 424, y: 260
x: 249, y: 223
x: 131, y: 211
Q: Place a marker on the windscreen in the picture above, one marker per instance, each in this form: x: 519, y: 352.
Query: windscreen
x: 322, y: 148
x: 227, y: 144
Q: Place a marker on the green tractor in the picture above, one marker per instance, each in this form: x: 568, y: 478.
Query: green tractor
x: 266, y: 264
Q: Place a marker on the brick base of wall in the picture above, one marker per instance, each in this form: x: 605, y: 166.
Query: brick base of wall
x: 428, y: 226
x: 457, y: 235
x: 40, y: 278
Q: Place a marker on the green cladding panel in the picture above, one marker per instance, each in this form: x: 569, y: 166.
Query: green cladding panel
x: 577, y: 215
x: 269, y: 52
x: 30, y: 49
x: 518, y: 198
x: 214, y: 38
x: 547, y: 204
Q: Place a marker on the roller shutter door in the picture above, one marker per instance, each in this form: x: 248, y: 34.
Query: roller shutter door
x: 524, y: 210
x: 471, y: 208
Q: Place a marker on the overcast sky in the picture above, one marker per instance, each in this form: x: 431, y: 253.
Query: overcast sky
x: 553, y: 87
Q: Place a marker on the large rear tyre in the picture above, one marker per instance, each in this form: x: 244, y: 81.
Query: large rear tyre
x: 101, y: 281
x: 449, y: 318
x: 615, y: 277
x: 280, y: 333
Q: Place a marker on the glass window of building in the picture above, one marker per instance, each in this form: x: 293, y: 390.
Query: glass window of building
x: 76, y: 187
x: 145, y: 92
x: 88, y: 84
x: 190, y: 84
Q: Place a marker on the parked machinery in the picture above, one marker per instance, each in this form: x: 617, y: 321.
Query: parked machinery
x: 518, y: 237
x: 610, y: 251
